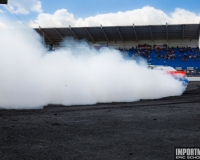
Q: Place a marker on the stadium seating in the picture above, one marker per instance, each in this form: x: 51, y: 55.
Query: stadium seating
x: 187, y: 60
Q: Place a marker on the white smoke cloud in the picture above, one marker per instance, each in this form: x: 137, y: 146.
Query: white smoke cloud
x: 144, y: 16
x: 25, y: 7
x: 31, y: 77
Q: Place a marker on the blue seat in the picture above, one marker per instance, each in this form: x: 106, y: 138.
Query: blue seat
x: 177, y: 62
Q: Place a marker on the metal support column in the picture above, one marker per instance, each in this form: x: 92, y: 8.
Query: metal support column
x: 120, y: 34
x: 73, y: 32
x: 43, y: 40
x: 135, y: 34
x: 104, y: 33
x: 199, y: 35
x: 183, y: 35
x: 167, y: 35
x: 151, y: 36
x: 58, y: 33
x: 45, y: 35
x: 89, y: 34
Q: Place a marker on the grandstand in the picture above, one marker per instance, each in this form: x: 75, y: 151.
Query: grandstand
x: 175, y: 45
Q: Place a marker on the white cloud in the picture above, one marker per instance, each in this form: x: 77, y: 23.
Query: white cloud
x: 25, y: 7
x: 144, y: 16
x: 3, y: 26
x: 59, y: 18
x: 184, y: 16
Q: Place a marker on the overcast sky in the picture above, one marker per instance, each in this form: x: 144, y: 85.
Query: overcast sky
x: 62, y: 13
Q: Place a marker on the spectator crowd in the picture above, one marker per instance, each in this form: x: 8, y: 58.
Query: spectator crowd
x: 162, y: 52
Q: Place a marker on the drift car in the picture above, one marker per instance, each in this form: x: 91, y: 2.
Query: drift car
x: 179, y: 75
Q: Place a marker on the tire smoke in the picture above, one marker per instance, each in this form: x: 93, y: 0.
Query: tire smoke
x: 76, y: 74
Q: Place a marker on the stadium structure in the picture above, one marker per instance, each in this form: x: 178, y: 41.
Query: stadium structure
x: 3, y: 1
x: 175, y: 45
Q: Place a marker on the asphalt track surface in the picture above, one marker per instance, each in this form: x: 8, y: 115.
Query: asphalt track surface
x: 149, y: 129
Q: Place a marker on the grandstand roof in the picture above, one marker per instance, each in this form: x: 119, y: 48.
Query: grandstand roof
x: 122, y: 33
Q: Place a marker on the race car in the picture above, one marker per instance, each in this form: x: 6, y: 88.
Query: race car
x: 179, y: 75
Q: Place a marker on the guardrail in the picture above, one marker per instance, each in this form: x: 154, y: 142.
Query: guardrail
x: 193, y: 78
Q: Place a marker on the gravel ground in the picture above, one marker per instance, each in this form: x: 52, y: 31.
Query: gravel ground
x: 149, y: 129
